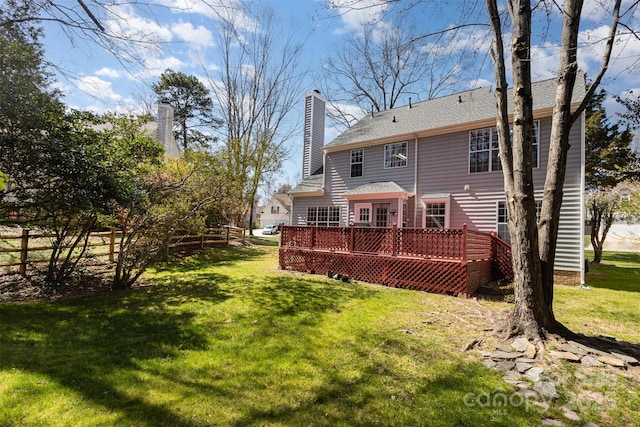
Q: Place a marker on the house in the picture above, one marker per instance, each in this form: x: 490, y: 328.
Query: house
x: 276, y: 211
x: 434, y: 164
x: 624, y: 235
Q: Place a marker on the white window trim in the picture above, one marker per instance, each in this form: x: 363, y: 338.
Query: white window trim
x: 406, y: 160
x: 447, y: 211
x: 356, y: 211
x: 351, y: 163
x: 536, y: 128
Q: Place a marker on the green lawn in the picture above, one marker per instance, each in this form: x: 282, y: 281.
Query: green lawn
x: 226, y: 338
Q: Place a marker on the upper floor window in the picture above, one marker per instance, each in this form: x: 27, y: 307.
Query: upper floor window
x: 357, y: 161
x: 275, y: 209
x: 484, y: 152
x: 395, y: 155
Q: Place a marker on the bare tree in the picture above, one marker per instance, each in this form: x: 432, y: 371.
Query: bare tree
x: 386, y: 65
x: 534, y: 247
x: 256, y: 88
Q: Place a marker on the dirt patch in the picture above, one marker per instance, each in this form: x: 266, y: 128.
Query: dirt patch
x: 89, y: 280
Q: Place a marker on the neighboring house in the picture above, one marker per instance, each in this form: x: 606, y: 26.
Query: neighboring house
x: 277, y: 210
x: 434, y: 164
x: 624, y: 235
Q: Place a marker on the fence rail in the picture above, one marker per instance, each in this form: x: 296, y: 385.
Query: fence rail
x: 16, y: 250
x: 435, y: 243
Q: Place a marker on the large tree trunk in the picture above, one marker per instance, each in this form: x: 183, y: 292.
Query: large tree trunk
x: 531, y: 315
x: 559, y: 146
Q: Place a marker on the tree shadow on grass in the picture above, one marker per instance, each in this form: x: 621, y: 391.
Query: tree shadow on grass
x: 213, y: 257
x: 85, y: 344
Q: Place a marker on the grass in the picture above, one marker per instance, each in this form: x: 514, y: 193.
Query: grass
x: 226, y: 338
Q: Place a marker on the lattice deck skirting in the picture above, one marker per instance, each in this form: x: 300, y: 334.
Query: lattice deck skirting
x: 454, y: 277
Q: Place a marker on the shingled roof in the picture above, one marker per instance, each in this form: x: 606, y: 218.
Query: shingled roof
x: 440, y: 113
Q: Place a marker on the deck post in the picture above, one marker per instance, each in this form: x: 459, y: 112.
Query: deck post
x: 352, y: 239
x: 394, y: 241
x: 313, y: 235
x: 24, y: 251
x: 464, y: 243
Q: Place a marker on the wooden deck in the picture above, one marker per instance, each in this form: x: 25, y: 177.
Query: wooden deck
x: 451, y: 261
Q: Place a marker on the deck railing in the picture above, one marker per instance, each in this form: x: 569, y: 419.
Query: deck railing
x: 434, y: 243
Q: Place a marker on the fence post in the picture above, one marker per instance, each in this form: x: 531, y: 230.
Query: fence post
x: 24, y: 251
x: 394, y: 240
x: 112, y: 244
x: 464, y: 243
x: 227, y: 238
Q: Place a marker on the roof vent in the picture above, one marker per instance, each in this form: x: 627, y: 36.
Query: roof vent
x: 409, y: 102
x: 372, y: 111
x: 394, y: 119
x: 459, y: 98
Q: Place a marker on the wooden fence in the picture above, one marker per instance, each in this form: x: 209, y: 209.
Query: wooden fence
x: 15, y: 249
x: 453, y: 261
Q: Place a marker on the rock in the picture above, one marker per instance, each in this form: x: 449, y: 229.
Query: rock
x: 552, y: 422
x: 572, y: 349
x: 624, y: 357
x: 588, y: 349
x: 590, y: 361
x: 503, y: 347
x: 512, y: 375
x: 489, y: 363
x: 505, y: 365
x: 546, y: 389
x: 485, y: 353
x: 611, y: 361
x: 520, y: 344
x: 523, y: 367
x: 565, y: 355
x: 523, y: 385
x: 541, y: 403
x: 525, y: 360
x: 534, y: 373
x: 528, y: 394
x: 505, y: 355
x: 594, y: 396
x: 531, y: 351
x: 590, y: 425
x: 570, y: 415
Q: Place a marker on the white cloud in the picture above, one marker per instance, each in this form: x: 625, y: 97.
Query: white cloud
x: 125, y: 23
x: 230, y: 10
x: 98, y: 88
x: 355, y: 14
x: 108, y: 72
x: 199, y: 37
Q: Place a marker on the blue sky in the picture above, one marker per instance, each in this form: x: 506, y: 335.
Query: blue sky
x: 181, y: 36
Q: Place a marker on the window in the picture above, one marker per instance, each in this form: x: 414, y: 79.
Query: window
x: 484, y: 152
x: 502, y: 225
x: 364, y: 215
x: 436, y: 215
x: 357, y: 160
x: 324, y: 216
x: 275, y: 209
x: 395, y: 155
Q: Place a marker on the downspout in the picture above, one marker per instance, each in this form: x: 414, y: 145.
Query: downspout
x: 582, y: 199
x: 415, y: 183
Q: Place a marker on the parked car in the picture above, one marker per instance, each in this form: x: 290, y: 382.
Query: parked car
x: 270, y: 229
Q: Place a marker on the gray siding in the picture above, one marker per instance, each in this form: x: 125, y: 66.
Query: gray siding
x: 444, y: 168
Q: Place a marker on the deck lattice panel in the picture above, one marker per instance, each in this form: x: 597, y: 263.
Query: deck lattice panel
x: 437, y: 276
